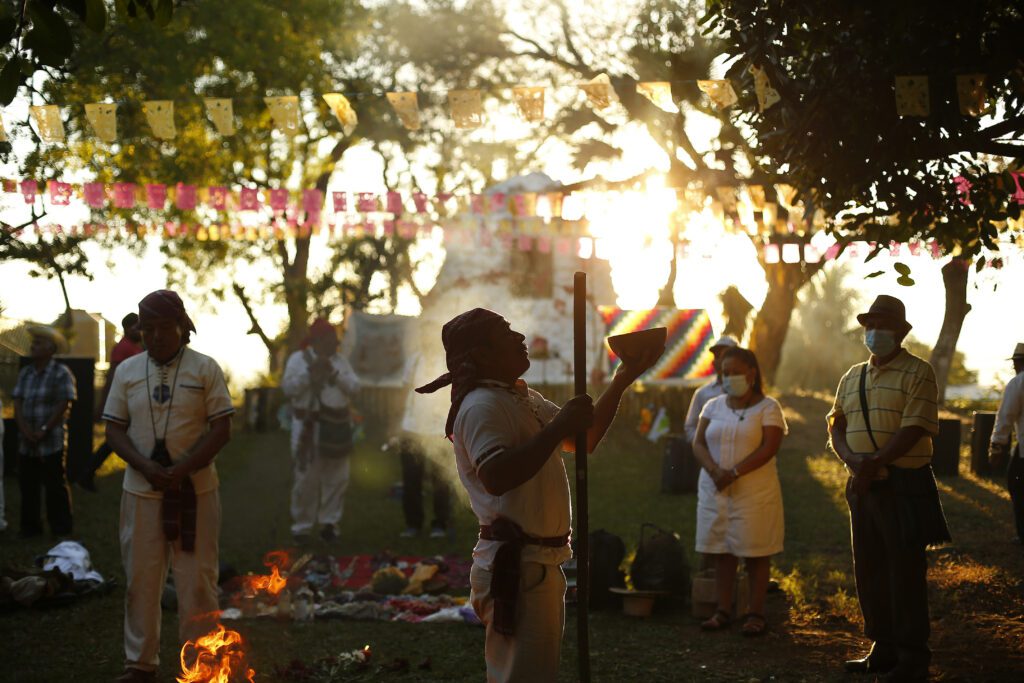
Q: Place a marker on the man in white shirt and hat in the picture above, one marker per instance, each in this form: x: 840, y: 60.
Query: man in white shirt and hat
x: 320, y: 383
x: 508, y: 440
x: 711, y: 389
x: 1010, y: 419
x: 168, y: 415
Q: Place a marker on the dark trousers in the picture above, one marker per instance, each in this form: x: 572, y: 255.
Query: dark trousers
x: 415, y: 467
x: 891, y: 576
x: 44, y: 473
x: 95, y: 460
x: 1015, y: 485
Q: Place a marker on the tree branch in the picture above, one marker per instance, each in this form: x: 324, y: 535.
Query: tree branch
x: 567, y: 33
x: 543, y: 54
x: 998, y: 130
x: 256, y: 328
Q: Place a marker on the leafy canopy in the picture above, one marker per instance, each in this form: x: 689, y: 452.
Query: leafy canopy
x: 836, y: 134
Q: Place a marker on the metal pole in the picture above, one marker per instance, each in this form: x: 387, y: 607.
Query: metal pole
x: 579, y: 347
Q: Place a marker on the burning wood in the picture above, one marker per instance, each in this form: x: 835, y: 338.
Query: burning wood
x: 217, y: 657
x: 273, y: 584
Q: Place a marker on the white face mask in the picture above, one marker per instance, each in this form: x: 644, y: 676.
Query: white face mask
x: 880, y: 342
x: 735, y: 385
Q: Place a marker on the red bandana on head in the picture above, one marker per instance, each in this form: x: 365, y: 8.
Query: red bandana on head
x: 460, y: 335
x: 319, y: 328
x: 164, y: 303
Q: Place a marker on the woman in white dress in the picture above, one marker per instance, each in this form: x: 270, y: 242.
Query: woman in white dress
x: 739, y: 500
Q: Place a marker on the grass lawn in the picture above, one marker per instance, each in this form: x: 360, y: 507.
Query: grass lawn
x: 977, y: 592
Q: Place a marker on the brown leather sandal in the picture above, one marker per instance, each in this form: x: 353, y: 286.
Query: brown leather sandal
x: 719, y: 621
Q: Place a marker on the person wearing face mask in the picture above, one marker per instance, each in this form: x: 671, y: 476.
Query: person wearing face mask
x: 881, y: 426
x: 709, y: 390
x: 739, y: 499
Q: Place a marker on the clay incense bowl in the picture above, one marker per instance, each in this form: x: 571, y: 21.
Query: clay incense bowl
x: 638, y: 343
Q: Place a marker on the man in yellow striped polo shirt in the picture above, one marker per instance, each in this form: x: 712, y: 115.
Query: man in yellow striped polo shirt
x: 881, y: 427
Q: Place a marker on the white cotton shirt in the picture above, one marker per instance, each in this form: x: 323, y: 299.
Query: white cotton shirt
x: 745, y: 520
x: 495, y: 418
x: 697, y: 403
x: 335, y: 392
x: 185, y: 395
x: 1011, y: 412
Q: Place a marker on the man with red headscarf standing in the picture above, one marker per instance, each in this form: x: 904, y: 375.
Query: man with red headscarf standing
x: 507, y: 439
x: 319, y: 382
x: 168, y: 414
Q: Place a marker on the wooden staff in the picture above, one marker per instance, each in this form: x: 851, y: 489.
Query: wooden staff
x: 579, y: 348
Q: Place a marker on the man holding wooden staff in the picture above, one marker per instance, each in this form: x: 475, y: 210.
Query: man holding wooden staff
x: 507, y: 438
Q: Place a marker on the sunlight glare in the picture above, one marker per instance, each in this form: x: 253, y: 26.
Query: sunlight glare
x: 632, y: 228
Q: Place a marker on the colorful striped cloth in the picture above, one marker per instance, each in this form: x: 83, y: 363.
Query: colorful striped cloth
x: 687, y: 355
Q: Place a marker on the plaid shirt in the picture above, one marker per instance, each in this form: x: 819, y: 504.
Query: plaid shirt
x: 40, y: 394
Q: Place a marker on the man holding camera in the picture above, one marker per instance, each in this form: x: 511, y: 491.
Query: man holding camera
x: 319, y: 382
x: 168, y: 414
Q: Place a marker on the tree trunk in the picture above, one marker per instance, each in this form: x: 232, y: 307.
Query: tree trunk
x: 296, y: 291
x: 954, y: 278
x: 667, y: 296
x: 772, y: 321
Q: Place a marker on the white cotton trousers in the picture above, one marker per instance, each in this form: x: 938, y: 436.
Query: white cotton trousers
x: 146, y: 554
x: 318, y: 489
x: 533, y: 652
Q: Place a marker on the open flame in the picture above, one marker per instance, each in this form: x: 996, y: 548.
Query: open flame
x: 273, y: 583
x: 217, y: 657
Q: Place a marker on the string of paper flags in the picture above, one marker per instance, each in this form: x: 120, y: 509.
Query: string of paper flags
x: 467, y: 109
x: 770, y: 201
x: 563, y: 238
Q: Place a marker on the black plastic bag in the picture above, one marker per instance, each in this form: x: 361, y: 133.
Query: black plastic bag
x: 660, y: 563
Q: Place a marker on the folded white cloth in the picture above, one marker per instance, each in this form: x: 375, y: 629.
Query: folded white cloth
x: 71, y: 557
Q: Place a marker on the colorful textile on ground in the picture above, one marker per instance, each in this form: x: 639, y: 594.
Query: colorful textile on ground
x: 362, y: 587
x: 687, y: 355
x: 356, y: 571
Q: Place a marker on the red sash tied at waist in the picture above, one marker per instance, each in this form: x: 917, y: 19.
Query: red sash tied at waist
x: 505, y: 572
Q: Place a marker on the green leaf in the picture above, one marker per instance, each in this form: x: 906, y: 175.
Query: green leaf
x: 164, y: 12
x: 123, y: 9
x: 902, y: 268
x: 10, y: 78
x: 44, y: 48
x: 905, y: 281
x: 979, y: 264
x: 875, y: 274
x: 50, y: 38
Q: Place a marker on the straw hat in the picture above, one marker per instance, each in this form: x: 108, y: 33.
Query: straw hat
x: 52, y: 334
